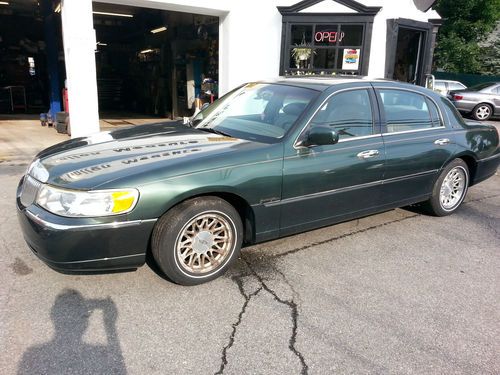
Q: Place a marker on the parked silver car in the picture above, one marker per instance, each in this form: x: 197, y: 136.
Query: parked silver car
x: 482, y: 100
x: 444, y: 86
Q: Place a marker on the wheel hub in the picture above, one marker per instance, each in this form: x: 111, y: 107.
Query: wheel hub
x: 202, y: 242
x: 447, y: 189
x: 483, y: 112
x: 452, y: 188
x: 205, y: 243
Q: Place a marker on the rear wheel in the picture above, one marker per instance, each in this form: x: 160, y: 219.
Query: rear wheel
x: 482, y: 112
x: 450, y: 189
x: 197, y: 240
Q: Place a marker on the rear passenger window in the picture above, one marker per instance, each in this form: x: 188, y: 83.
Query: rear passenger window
x: 349, y: 113
x: 455, y: 86
x: 454, y: 116
x: 435, y: 117
x: 406, y: 111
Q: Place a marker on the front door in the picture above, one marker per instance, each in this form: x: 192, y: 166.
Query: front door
x: 327, y: 184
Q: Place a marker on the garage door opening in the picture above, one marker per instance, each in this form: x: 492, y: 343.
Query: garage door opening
x: 31, y: 59
x: 154, y: 62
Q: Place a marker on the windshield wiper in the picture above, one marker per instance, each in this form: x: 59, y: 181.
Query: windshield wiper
x: 212, y: 130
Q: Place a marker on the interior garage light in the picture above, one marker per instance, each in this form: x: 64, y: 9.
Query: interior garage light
x: 4, y: 3
x: 114, y: 14
x: 146, y: 50
x: 159, y: 29
x: 58, y: 8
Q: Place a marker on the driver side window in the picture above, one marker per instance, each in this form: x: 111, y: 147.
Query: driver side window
x: 349, y: 113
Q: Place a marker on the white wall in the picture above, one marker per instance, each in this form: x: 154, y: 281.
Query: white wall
x: 249, y: 45
x: 390, y: 9
x: 209, y: 8
x: 250, y: 32
x: 79, y: 45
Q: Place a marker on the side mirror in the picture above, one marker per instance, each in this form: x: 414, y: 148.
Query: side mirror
x: 319, y: 136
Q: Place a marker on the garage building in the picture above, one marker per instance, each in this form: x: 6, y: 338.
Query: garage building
x: 164, y: 58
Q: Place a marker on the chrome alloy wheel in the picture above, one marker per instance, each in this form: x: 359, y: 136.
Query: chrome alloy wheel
x: 205, y: 242
x: 452, y: 190
x: 483, y: 112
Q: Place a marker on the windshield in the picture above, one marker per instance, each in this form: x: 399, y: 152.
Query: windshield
x: 256, y: 111
x: 481, y: 86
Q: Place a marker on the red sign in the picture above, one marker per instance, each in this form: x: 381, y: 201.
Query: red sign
x: 329, y: 36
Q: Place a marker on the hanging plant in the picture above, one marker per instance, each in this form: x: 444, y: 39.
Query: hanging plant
x: 302, y: 52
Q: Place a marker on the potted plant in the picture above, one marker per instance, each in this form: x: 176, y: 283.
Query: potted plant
x: 302, y: 52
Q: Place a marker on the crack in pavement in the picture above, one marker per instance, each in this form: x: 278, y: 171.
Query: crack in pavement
x: 293, y: 251
x: 238, y: 280
x: 291, y: 304
x: 296, y: 295
x: 482, y: 198
x: 328, y: 240
x: 294, y: 311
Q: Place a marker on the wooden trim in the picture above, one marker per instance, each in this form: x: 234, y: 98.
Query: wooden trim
x: 354, y: 5
x: 393, y: 26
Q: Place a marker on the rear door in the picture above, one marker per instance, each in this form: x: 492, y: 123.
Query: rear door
x: 417, y: 143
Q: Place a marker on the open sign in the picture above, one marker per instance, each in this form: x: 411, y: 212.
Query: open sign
x: 329, y: 36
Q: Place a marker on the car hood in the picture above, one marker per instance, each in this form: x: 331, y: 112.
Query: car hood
x: 162, y: 150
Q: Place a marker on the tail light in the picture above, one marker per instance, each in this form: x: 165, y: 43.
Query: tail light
x: 457, y: 97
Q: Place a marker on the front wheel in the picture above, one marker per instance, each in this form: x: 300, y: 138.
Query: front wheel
x: 450, y: 189
x: 482, y: 112
x: 197, y: 240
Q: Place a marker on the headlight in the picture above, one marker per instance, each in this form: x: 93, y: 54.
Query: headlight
x: 75, y: 203
x: 38, y: 171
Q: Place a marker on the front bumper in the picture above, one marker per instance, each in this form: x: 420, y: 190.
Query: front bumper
x: 74, y: 244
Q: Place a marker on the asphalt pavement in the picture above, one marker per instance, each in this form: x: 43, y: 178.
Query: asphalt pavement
x: 393, y: 293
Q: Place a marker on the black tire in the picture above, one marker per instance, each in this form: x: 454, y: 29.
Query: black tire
x: 208, y: 217
x: 482, y: 112
x: 435, y: 205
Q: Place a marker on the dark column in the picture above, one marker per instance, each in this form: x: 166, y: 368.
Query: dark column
x: 51, y: 51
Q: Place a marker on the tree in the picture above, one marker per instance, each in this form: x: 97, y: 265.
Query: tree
x: 465, y: 24
x: 491, y: 49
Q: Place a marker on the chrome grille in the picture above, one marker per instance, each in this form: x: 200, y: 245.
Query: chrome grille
x: 29, y: 190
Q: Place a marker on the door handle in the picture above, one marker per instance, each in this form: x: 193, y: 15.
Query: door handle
x: 368, y: 154
x: 442, y: 141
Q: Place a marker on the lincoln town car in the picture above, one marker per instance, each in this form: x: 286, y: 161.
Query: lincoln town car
x: 269, y: 159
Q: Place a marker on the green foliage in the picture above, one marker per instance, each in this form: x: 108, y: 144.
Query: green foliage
x: 465, y: 24
x: 491, y: 51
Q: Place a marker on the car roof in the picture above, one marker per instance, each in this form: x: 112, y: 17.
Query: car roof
x: 322, y: 83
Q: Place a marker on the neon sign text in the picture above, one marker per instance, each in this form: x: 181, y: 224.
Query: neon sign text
x: 329, y: 36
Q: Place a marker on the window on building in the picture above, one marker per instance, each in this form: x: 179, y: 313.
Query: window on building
x: 325, y: 49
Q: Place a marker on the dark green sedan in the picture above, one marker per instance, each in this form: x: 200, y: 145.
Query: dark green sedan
x: 267, y: 160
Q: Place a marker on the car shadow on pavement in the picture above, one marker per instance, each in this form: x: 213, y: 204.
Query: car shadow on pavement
x: 67, y: 353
